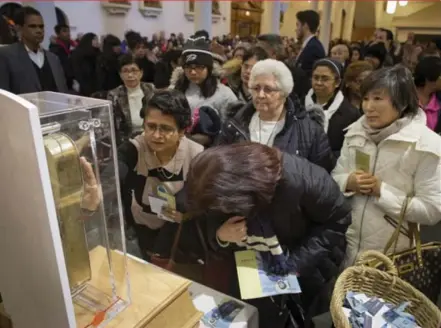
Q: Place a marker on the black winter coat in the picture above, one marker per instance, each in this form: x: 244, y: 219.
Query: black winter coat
x: 438, y: 125
x: 302, y: 135
x: 310, y: 217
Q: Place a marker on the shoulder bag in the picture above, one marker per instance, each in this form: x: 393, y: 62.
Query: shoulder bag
x: 420, y: 265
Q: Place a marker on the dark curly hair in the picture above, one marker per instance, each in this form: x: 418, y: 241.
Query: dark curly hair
x: 170, y: 102
x: 128, y: 59
x: 257, y: 52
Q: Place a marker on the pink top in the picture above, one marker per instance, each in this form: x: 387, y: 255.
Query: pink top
x: 432, y: 112
x: 194, y: 120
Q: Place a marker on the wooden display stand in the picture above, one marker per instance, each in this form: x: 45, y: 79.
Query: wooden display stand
x: 159, y: 299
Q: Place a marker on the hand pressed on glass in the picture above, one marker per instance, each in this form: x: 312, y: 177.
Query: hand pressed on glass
x: 91, y: 192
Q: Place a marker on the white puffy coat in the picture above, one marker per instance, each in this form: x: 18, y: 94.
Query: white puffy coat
x: 408, y: 163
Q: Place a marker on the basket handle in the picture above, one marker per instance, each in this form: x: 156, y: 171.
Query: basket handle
x: 373, y: 256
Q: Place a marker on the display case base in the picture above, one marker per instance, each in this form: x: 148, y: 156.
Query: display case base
x: 158, y: 298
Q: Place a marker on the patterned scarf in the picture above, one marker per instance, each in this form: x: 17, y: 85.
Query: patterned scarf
x: 262, y: 238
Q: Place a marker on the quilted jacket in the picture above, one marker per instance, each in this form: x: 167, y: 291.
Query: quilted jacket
x: 302, y: 135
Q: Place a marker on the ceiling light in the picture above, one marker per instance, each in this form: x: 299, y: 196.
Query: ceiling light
x: 391, y: 7
x: 402, y: 3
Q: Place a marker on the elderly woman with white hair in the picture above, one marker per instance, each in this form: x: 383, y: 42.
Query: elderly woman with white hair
x: 272, y: 118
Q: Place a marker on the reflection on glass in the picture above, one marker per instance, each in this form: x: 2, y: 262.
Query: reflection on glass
x: 67, y: 184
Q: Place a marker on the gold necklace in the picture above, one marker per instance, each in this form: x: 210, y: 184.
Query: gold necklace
x: 162, y: 170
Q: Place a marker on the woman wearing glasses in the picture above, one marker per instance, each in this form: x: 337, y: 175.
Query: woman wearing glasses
x: 273, y: 119
x: 129, y: 98
x: 336, y: 110
x: 199, y: 78
x: 156, y: 162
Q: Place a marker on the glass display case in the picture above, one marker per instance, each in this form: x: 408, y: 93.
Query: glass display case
x: 79, y: 143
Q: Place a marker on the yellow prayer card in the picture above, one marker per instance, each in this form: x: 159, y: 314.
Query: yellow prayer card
x: 248, y: 274
x: 362, y: 161
x: 164, y: 194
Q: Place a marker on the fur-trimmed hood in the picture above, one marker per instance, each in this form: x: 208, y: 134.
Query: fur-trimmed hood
x: 178, y: 74
x: 316, y: 113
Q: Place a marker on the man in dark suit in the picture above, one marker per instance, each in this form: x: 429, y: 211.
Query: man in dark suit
x: 312, y: 49
x: 25, y: 67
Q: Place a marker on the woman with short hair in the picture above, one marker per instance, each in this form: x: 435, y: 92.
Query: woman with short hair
x: 129, y: 98
x: 389, y: 154
x: 354, y: 75
x: 158, y: 159
x: 238, y: 82
x: 273, y: 119
x: 288, y: 209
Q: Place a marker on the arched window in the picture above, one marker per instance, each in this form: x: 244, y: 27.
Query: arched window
x: 9, y: 10
x: 62, y: 18
x: 343, y: 23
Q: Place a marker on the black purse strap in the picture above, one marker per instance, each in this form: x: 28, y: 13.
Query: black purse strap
x: 175, y: 245
x: 177, y: 238
x: 414, y: 234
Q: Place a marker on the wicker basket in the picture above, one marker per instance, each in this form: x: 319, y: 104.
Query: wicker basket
x: 386, y: 285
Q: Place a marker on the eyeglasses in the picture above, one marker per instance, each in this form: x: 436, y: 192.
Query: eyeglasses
x: 164, y: 130
x: 322, y: 78
x: 196, y: 68
x: 130, y: 71
x: 266, y: 89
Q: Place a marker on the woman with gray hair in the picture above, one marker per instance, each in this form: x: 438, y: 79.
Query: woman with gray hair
x: 388, y: 155
x: 273, y: 119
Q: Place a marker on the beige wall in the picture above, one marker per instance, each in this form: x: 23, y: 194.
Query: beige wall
x: 288, y: 28
x: 289, y: 25
x: 418, y: 17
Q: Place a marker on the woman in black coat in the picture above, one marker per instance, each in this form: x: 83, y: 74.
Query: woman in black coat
x: 84, y: 64
x: 108, y: 67
x: 336, y: 110
x: 289, y: 210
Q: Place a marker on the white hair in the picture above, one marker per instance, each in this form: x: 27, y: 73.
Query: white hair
x: 276, y: 68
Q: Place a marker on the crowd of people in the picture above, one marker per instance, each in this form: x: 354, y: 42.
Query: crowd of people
x: 259, y: 141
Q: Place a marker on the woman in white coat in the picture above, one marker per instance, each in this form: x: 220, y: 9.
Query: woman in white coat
x: 389, y: 154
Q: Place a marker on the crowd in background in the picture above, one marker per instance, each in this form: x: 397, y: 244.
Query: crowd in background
x: 265, y: 133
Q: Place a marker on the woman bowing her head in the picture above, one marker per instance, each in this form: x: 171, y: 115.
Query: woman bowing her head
x: 279, y: 204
